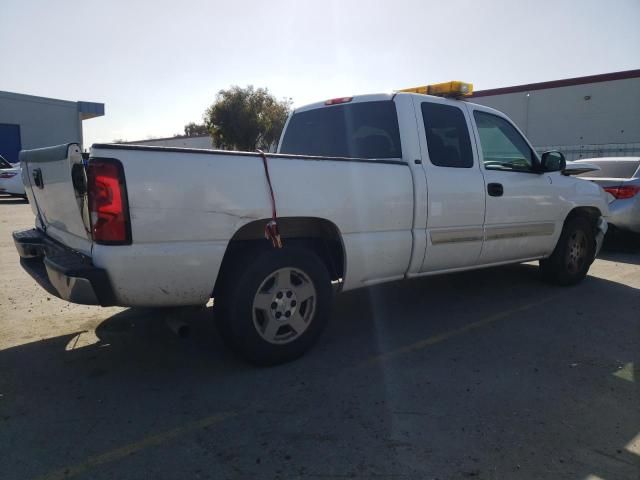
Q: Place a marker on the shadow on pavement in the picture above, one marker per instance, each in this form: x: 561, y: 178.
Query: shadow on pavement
x: 622, y: 242
x: 620, y: 257
x: 536, y: 394
x: 621, y: 247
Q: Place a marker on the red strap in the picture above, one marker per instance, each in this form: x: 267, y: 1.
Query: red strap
x: 271, y: 231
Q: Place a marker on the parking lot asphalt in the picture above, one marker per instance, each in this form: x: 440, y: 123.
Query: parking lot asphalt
x: 489, y: 374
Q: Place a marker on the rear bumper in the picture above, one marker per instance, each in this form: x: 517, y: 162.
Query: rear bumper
x: 12, y: 186
x: 63, y: 272
x: 625, y: 214
x: 7, y: 190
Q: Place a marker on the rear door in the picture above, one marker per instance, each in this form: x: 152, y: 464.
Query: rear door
x: 524, y: 208
x: 455, y: 188
x: 55, y: 182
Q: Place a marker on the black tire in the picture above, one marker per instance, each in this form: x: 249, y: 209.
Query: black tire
x: 244, y: 328
x: 573, y: 255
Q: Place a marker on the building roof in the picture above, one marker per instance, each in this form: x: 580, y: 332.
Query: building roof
x: 567, y: 82
x: 85, y: 109
x: 176, y: 137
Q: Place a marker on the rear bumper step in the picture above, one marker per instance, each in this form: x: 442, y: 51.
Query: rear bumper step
x: 61, y: 271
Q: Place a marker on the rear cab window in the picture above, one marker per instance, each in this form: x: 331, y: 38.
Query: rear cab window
x: 356, y: 130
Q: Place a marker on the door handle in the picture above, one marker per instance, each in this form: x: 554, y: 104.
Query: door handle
x: 495, y: 189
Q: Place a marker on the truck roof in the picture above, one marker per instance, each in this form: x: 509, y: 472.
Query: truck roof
x: 373, y: 97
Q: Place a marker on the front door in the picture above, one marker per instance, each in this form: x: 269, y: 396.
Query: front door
x: 521, y: 203
x: 455, y: 188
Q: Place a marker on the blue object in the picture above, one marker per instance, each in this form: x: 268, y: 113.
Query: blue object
x: 10, y: 144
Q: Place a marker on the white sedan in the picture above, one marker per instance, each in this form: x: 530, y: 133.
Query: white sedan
x: 11, y: 179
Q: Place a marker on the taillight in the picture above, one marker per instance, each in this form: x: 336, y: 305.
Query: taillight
x: 8, y: 174
x: 623, y: 192
x: 108, y: 205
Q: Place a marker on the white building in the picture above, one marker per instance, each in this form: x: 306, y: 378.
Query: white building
x: 196, y: 141
x: 583, y: 117
x: 27, y: 121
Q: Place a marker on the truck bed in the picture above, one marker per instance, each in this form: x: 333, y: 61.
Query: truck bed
x: 187, y: 204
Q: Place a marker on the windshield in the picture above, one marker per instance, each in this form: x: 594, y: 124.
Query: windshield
x: 361, y: 130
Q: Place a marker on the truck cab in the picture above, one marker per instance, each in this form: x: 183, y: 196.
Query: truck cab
x: 482, y: 194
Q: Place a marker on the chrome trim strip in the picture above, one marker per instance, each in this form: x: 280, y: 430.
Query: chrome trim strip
x: 476, y: 234
x: 518, y: 231
x: 459, y: 235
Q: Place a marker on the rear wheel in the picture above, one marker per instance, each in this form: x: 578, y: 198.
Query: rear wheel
x: 573, y: 255
x: 274, y: 305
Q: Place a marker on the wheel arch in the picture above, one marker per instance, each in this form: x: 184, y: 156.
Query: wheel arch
x: 591, y: 213
x: 318, y: 234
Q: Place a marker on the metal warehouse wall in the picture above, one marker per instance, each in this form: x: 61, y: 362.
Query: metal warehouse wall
x: 590, y: 114
x: 43, y: 121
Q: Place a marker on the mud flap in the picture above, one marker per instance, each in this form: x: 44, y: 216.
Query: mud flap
x: 601, y: 227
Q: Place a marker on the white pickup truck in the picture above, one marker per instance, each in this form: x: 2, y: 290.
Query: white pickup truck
x: 368, y: 189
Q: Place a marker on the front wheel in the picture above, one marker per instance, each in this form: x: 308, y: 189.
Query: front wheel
x: 273, y: 308
x: 573, y: 255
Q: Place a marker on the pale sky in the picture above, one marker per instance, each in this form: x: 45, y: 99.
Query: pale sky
x: 157, y: 65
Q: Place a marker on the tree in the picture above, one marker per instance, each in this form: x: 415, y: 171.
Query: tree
x: 192, y: 129
x: 246, y: 118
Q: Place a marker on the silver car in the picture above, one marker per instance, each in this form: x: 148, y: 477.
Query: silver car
x: 11, y: 179
x: 620, y: 177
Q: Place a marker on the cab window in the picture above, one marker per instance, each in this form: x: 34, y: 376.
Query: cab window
x: 360, y: 130
x: 503, y: 148
x: 447, y: 136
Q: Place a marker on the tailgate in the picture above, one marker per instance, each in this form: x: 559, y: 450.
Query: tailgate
x: 55, y: 181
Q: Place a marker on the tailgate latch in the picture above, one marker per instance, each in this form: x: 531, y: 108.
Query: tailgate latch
x: 37, y: 178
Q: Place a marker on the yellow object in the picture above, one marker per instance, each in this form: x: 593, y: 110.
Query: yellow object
x: 446, y: 89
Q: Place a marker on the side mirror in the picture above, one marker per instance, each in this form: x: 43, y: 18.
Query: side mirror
x: 552, y: 161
